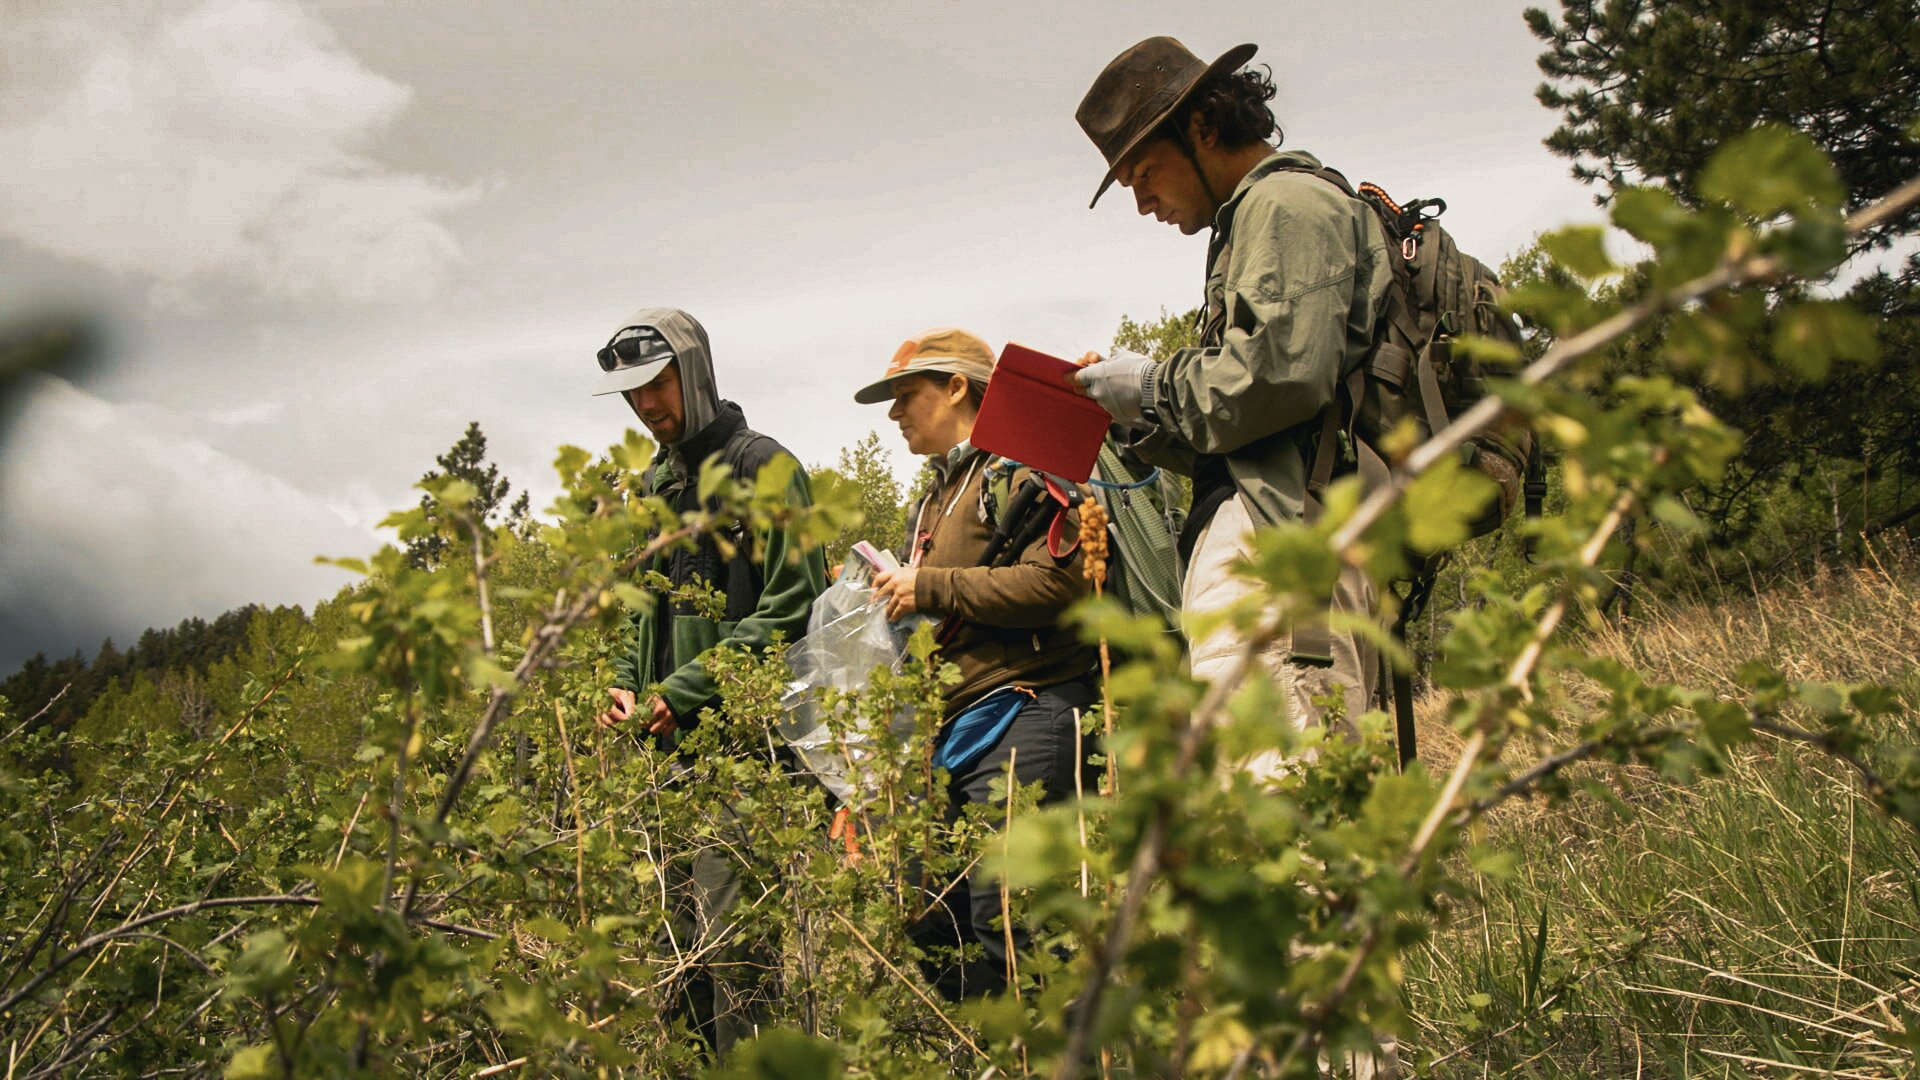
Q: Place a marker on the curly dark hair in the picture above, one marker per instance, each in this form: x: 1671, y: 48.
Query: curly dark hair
x: 1234, y: 104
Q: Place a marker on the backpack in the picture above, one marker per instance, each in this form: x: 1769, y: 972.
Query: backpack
x: 1412, y: 373
x: 1142, y: 526
x: 1142, y: 572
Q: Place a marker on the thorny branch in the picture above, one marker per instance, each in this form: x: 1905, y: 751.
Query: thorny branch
x: 133, y: 927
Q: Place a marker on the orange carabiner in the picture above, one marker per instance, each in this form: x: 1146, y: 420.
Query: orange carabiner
x: 845, y: 830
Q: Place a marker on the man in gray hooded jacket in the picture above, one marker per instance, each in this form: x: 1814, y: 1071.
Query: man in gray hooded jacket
x: 660, y: 361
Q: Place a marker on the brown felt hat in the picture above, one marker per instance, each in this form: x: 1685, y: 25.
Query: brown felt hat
x: 1139, y: 90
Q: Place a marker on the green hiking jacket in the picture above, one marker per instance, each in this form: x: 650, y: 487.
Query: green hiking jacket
x: 769, y: 586
x: 1297, y: 276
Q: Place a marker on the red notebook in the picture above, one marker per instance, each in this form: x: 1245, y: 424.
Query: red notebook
x: 1031, y: 415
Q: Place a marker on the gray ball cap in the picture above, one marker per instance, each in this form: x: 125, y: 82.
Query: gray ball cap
x: 677, y: 329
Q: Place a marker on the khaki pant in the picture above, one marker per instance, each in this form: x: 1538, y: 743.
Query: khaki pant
x: 1211, y: 584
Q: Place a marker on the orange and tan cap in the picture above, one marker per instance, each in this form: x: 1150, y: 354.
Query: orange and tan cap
x: 942, y: 349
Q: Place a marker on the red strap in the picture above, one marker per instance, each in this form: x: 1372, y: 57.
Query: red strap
x: 1054, y: 489
x: 1057, y: 528
x: 1056, y: 532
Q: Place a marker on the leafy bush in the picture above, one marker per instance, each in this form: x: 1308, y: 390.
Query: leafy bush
x: 489, y: 884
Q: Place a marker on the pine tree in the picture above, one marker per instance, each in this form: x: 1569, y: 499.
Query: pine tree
x: 867, y: 466
x: 467, y: 460
x: 1647, y: 90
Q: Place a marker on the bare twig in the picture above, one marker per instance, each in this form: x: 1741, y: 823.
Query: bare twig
x: 38, y: 713
x: 1875, y: 786
x: 1146, y: 859
x: 909, y: 983
x: 579, y: 822
x: 1517, y: 679
x: 1548, y: 766
x: 481, y: 564
x: 134, y: 927
x: 560, y: 619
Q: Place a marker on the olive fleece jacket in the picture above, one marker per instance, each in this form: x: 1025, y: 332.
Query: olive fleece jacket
x: 1297, y: 276
x: 769, y: 584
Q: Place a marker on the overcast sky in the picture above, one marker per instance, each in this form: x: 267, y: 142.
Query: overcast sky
x: 322, y: 236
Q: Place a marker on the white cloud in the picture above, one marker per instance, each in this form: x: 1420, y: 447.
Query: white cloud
x: 115, y: 519
x: 226, y: 142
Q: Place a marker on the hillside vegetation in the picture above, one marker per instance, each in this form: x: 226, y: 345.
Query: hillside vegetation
x: 1762, y: 921
x: 1664, y: 828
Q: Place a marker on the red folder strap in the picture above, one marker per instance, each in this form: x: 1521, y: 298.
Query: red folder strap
x: 1057, y: 528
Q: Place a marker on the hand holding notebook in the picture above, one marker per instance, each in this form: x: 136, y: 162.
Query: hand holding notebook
x: 1033, y: 414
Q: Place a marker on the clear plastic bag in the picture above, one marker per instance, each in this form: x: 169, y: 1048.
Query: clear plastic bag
x: 848, y: 636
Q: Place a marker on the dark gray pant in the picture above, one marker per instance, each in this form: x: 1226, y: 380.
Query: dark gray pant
x: 725, y: 995
x: 969, y: 913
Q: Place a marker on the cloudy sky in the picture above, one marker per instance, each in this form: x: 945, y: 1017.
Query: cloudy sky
x: 323, y: 235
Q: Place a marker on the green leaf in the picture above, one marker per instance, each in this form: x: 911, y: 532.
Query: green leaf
x: 1823, y: 698
x: 1725, y: 723
x: 1772, y: 169
x: 1649, y: 214
x: 263, y: 967
x: 1875, y: 700
x: 1487, y: 351
x: 254, y: 1063
x: 548, y: 929
x: 1495, y: 862
x: 453, y: 492
x: 482, y: 671
x: 771, y: 482
x: 1441, y: 505
x: 633, y: 596
x: 784, y: 1054
x: 1675, y: 515
x: 714, y: 475
x: 1582, y: 249
x: 1811, y: 337
x: 1001, y: 1019
x: 570, y: 461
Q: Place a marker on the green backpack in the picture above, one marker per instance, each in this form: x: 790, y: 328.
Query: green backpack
x: 1437, y: 293
x: 1413, y: 374
x: 1142, y: 524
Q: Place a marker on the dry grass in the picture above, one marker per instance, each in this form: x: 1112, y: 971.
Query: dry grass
x: 1850, y: 625
x: 1762, y: 922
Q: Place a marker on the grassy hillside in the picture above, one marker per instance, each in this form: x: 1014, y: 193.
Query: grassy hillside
x: 1762, y: 922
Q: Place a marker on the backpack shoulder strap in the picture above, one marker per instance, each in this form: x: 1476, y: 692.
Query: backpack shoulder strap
x: 745, y: 454
x: 749, y: 451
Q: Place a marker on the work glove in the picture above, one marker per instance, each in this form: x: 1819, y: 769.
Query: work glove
x: 1123, y: 385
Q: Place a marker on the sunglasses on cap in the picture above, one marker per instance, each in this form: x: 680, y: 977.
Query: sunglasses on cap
x: 641, y: 345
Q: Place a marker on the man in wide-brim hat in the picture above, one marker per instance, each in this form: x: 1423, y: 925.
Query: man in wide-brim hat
x: 1296, y: 280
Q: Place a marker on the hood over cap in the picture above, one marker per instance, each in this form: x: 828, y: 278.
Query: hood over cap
x: 700, y: 396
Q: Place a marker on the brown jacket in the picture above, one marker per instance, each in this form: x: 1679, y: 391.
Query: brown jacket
x: 1013, y: 635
